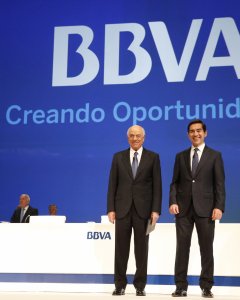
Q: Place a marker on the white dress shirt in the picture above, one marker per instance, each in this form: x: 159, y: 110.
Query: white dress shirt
x: 139, y: 151
x: 200, y: 151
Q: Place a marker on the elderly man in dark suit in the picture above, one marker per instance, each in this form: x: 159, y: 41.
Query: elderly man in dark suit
x: 197, y: 196
x: 134, y: 196
x: 23, y: 212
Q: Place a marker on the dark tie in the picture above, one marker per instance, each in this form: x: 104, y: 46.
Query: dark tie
x: 135, y: 164
x: 195, y: 161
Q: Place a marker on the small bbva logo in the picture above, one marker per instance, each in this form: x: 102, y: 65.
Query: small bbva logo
x: 96, y: 235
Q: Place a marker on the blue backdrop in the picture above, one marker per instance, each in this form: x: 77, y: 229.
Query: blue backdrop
x: 74, y: 75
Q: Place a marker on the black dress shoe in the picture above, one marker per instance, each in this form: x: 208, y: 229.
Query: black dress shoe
x: 179, y: 293
x: 140, y: 292
x: 206, y: 293
x: 118, y: 292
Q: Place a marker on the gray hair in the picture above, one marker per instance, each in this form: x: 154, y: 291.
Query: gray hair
x: 26, y: 196
x: 143, y: 130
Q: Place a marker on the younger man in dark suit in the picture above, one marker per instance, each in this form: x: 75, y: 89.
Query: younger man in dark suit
x: 197, y: 196
x: 134, y: 196
x: 23, y: 212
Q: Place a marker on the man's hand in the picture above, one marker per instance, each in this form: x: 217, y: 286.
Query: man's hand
x: 216, y: 214
x: 112, y: 216
x: 174, y: 209
x: 154, y: 217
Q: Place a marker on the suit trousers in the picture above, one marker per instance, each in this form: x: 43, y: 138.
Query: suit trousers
x: 123, y: 233
x: 205, y: 231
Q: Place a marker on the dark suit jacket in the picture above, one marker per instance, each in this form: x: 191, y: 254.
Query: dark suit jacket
x: 30, y: 212
x: 145, y: 191
x: 206, y: 189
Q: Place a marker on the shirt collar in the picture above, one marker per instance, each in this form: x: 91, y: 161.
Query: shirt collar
x: 139, y: 151
x: 26, y: 207
x: 200, y: 147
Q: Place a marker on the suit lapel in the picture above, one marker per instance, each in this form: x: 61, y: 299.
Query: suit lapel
x: 143, y: 162
x: 126, y: 162
x: 19, y: 214
x: 188, y: 161
x: 26, y: 215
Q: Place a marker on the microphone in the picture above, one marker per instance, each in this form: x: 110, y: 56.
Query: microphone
x: 27, y: 218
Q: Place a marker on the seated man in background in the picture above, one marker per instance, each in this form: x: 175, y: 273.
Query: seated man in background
x: 23, y: 212
x: 52, y: 209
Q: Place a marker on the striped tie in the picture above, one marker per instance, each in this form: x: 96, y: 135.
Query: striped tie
x: 195, y: 161
x: 135, y: 165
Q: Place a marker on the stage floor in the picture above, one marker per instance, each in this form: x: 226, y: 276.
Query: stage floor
x: 93, y: 296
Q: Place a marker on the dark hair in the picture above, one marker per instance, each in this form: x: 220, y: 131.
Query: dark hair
x: 198, y: 121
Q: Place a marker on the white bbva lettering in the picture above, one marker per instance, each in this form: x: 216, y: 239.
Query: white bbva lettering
x: 174, y: 71
x: 60, y: 56
x: 111, y: 56
x: 231, y: 36
x: 98, y: 235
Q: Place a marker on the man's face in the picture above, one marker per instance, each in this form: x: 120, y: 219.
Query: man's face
x: 52, y: 210
x: 135, y: 137
x: 196, y: 134
x: 23, y: 201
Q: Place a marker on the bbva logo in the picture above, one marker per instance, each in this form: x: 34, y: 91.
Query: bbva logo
x: 174, y: 70
x: 96, y: 235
